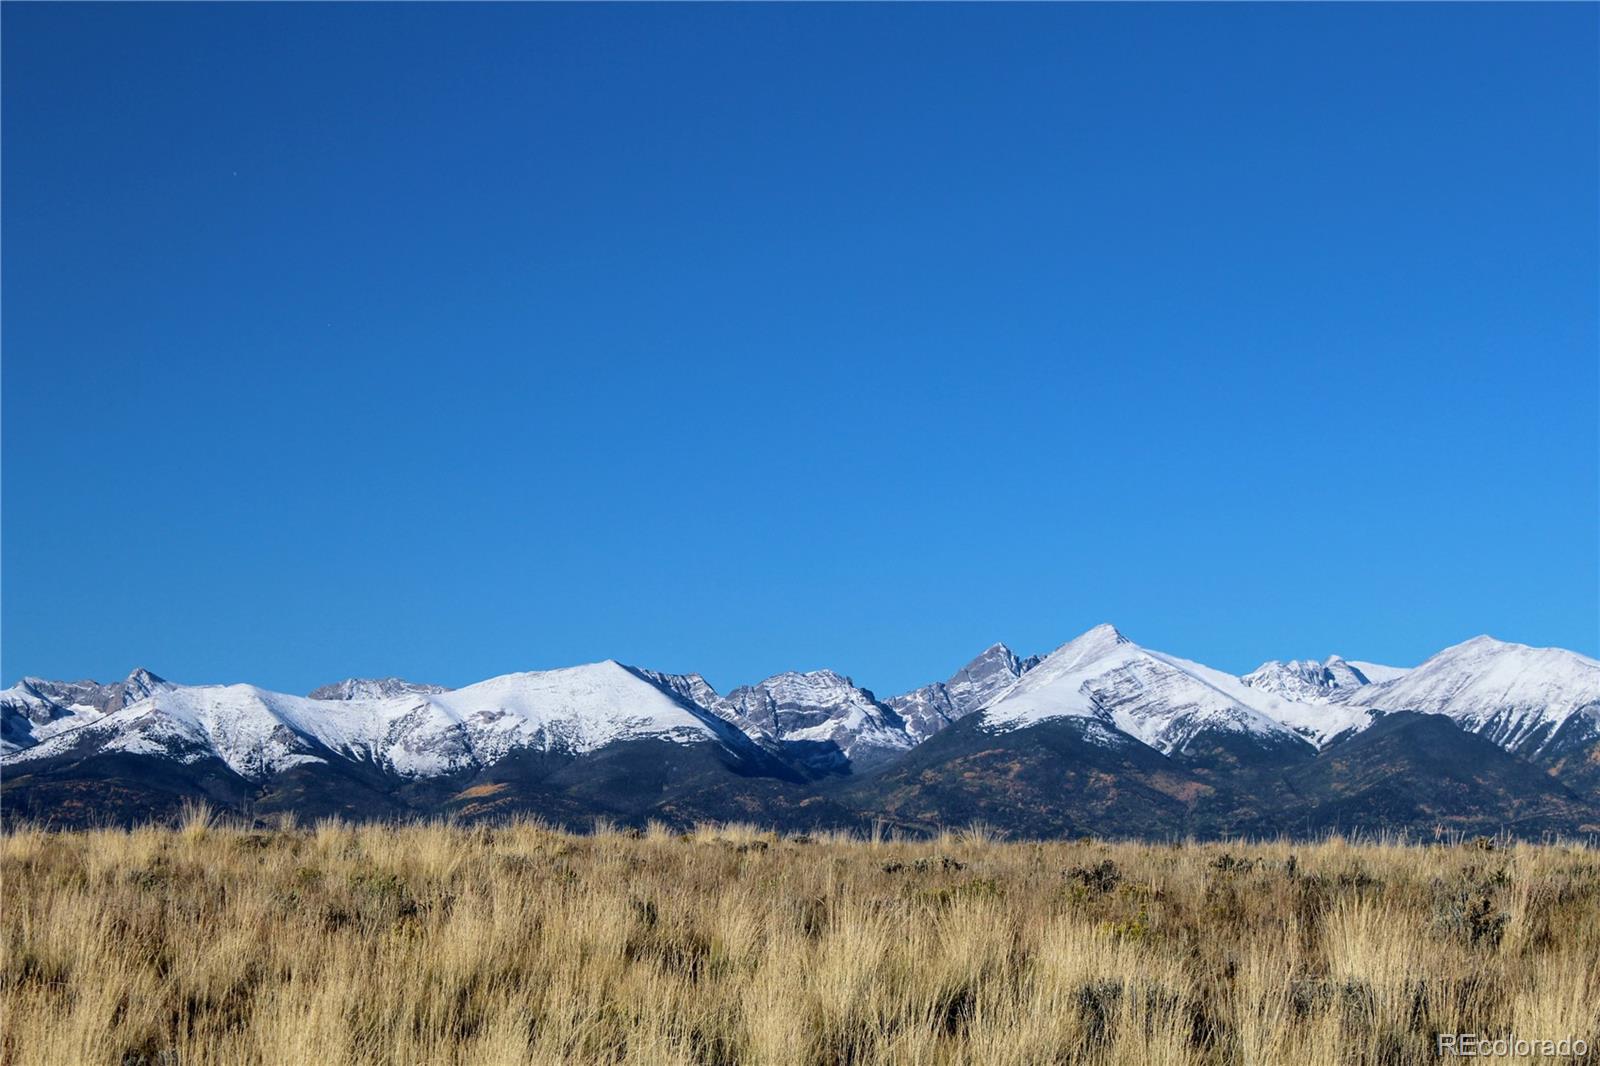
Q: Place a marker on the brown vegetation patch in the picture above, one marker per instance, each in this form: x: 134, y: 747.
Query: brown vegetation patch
x: 483, y: 791
x: 208, y: 945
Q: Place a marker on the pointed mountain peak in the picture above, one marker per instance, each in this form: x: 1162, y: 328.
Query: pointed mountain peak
x: 1485, y: 646
x: 1103, y: 640
x: 1478, y: 647
x: 1484, y: 640
x: 983, y: 678
x: 139, y: 685
x: 994, y: 655
x: 1104, y: 635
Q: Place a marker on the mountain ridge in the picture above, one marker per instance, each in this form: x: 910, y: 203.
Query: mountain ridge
x: 813, y: 747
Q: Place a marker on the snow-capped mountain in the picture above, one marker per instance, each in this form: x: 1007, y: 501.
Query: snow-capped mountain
x: 1521, y: 698
x: 1308, y: 681
x: 1139, y: 733
x: 822, y: 717
x: 34, y: 709
x: 373, y: 688
x: 1162, y: 700
x: 930, y: 708
x: 412, y: 734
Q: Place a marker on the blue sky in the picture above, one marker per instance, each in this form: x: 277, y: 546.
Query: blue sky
x: 453, y: 340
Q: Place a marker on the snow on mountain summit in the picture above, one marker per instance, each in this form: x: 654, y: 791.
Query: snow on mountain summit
x: 578, y: 708
x: 34, y: 709
x: 1306, y: 680
x: 1162, y: 700
x: 823, y: 711
x: 1541, y: 702
x: 411, y: 734
x: 369, y: 688
x: 930, y: 708
x: 1518, y: 696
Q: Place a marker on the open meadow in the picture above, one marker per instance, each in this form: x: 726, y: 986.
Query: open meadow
x: 205, y: 945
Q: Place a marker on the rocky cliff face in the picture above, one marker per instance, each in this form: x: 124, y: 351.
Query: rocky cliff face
x: 1306, y: 680
x: 35, y: 709
x: 366, y: 688
x: 931, y: 708
x: 822, y: 718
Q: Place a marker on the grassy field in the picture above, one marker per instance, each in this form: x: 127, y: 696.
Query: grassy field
x: 436, y: 944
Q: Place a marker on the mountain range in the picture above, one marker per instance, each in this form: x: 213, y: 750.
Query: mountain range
x: 1101, y: 736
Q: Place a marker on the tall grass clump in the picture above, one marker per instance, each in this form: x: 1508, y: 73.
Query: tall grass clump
x: 211, y: 944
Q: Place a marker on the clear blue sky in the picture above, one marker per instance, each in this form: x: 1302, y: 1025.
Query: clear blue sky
x: 451, y: 341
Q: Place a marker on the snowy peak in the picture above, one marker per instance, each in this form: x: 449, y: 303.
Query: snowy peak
x: 994, y: 670
x: 790, y: 701
x: 1162, y: 700
x: 136, y: 686
x: 1306, y: 680
x: 1515, y: 695
x: 35, y: 709
x: 1094, y: 644
x: 1096, y: 641
x: 821, y: 716
x: 576, y: 709
x: 188, y: 724
x: 366, y: 688
x: 139, y: 684
x: 930, y: 708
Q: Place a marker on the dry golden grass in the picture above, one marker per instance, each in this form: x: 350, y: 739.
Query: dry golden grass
x: 436, y: 944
